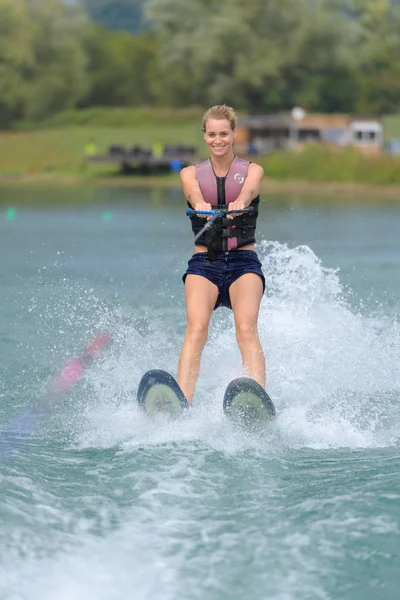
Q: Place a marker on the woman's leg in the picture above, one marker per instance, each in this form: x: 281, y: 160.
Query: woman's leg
x: 245, y: 295
x: 201, y: 296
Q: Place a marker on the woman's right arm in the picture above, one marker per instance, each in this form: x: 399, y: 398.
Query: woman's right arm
x: 191, y: 189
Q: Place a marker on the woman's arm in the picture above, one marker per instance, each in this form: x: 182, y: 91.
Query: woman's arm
x: 191, y: 189
x: 250, y: 189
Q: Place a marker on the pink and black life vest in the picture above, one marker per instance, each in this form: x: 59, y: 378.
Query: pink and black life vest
x: 226, y: 234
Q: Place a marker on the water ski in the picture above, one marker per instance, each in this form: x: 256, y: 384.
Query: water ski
x: 159, y: 393
x: 247, y: 404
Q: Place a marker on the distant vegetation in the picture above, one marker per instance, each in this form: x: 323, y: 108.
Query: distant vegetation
x: 317, y: 163
x: 117, y: 15
x: 129, y: 15
x: 136, y: 72
x: 59, y: 149
x: 259, y: 56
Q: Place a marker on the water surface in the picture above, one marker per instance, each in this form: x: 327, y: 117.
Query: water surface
x: 100, y: 503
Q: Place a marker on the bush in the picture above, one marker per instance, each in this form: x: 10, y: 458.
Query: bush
x: 316, y: 163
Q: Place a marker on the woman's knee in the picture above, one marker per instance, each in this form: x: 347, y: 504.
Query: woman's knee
x: 246, y: 331
x: 197, y: 331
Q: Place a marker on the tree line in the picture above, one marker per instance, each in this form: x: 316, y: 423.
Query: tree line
x: 118, y: 15
x: 258, y: 55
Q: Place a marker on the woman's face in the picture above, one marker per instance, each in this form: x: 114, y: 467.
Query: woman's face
x: 219, y: 136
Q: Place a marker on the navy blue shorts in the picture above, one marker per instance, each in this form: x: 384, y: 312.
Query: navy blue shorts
x: 227, y: 267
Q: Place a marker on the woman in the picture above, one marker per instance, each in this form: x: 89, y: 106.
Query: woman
x: 224, y: 269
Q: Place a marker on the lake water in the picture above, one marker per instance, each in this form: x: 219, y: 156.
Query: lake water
x: 101, y: 503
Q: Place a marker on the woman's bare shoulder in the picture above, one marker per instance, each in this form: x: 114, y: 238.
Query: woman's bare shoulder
x: 188, y: 173
x: 255, y: 173
x: 255, y: 168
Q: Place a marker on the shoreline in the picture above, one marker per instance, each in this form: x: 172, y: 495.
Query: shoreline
x: 269, y: 186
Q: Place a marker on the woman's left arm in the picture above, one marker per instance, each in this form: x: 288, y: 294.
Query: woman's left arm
x: 250, y: 189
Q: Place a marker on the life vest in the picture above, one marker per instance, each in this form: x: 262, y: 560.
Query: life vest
x: 225, y: 234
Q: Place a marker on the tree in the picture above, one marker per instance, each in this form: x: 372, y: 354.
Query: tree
x: 260, y: 55
x: 16, y: 56
x: 42, y: 63
x: 379, y: 75
x: 323, y: 76
x: 57, y: 78
x: 119, y: 68
x: 116, y: 15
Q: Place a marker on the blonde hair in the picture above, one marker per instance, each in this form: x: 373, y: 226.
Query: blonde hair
x: 220, y: 112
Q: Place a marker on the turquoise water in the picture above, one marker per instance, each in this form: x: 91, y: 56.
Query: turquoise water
x: 100, y: 503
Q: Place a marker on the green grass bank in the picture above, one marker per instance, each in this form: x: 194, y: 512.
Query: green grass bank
x: 54, y: 151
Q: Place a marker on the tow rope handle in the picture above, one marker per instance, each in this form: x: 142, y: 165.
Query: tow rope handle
x: 221, y: 212
x: 214, y: 214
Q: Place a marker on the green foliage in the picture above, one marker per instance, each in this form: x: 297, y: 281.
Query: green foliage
x: 42, y: 62
x: 228, y: 51
x: 16, y: 55
x: 117, y: 15
x: 119, y: 68
x: 378, y: 75
x: 392, y: 126
x: 60, y: 148
x: 316, y: 163
x: 259, y: 56
x: 60, y: 152
x: 267, y: 55
x: 57, y: 78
